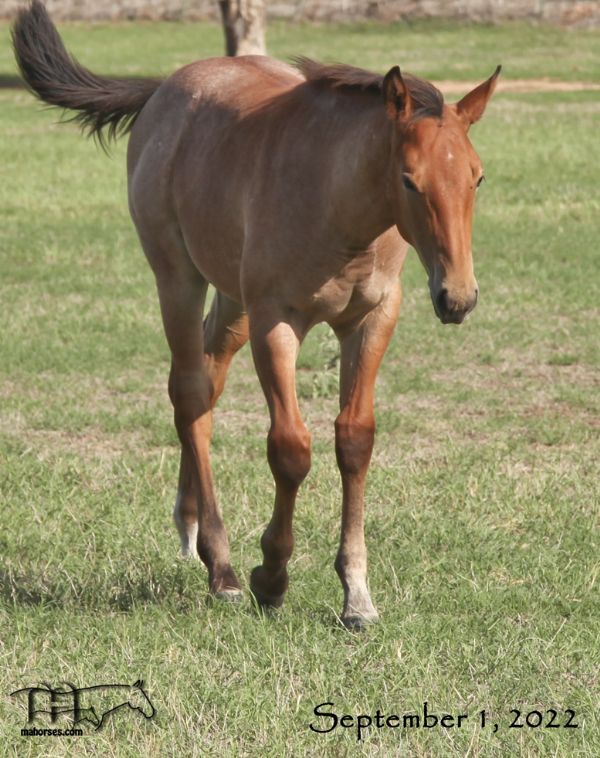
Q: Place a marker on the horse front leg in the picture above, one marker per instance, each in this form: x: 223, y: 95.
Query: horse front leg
x: 275, y: 346
x: 361, y: 352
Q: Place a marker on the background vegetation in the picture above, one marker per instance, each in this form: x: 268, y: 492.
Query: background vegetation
x: 482, y: 498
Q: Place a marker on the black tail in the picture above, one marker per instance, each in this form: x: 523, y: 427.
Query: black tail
x: 58, y: 79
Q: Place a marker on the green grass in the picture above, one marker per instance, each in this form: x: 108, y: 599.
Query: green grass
x: 482, y: 498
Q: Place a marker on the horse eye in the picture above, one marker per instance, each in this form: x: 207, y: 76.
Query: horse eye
x: 480, y: 181
x: 409, y: 184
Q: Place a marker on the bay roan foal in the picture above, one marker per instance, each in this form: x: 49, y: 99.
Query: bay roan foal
x: 295, y: 192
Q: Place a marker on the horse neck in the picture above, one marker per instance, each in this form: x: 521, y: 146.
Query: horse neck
x: 359, y: 189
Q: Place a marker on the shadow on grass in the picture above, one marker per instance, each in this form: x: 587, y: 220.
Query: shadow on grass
x: 180, y: 587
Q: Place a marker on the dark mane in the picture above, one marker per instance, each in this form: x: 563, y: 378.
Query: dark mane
x: 428, y: 100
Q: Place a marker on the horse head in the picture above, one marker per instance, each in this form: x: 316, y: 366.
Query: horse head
x: 140, y: 701
x: 435, y: 173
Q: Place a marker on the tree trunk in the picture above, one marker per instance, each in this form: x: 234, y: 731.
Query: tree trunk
x: 244, y: 26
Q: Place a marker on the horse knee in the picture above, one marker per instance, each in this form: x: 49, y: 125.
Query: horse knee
x: 288, y: 451
x: 354, y: 443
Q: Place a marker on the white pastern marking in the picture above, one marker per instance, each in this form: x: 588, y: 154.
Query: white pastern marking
x: 188, y: 532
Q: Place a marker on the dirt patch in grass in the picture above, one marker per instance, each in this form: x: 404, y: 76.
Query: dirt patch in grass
x: 93, y: 445
x: 516, y: 371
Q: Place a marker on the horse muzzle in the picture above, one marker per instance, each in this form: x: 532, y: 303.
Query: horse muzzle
x: 452, y: 310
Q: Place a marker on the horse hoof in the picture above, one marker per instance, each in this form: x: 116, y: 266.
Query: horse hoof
x: 229, y: 595
x: 358, y: 623
x: 188, y: 555
x: 266, y: 602
x: 264, y: 599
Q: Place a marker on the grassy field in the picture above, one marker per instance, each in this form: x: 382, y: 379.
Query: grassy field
x: 483, y: 493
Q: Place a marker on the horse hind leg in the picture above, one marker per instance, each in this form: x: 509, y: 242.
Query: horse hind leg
x: 185, y: 512
x: 225, y: 332
x: 195, y: 383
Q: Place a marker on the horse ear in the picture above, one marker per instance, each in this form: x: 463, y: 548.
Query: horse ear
x: 139, y: 684
x: 472, y: 106
x: 396, y: 95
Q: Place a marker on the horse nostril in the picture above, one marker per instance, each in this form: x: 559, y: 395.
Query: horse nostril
x: 441, y: 301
